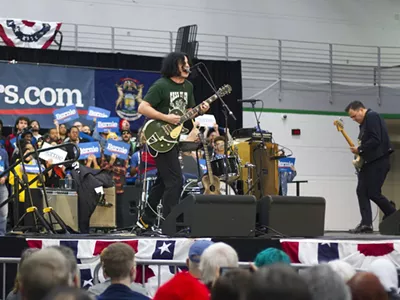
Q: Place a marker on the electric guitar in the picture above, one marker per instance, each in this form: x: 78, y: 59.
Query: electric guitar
x: 358, y: 161
x: 162, y: 136
x: 210, y: 182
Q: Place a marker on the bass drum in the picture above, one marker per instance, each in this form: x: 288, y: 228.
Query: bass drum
x: 231, y: 191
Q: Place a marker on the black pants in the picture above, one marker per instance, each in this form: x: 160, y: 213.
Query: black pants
x: 168, y: 185
x: 370, y: 181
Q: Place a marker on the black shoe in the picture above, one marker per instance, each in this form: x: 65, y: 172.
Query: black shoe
x: 102, y: 201
x: 362, y: 229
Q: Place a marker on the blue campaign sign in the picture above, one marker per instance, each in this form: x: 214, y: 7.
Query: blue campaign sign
x: 203, y: 164
x: 66, y: 114
x: 107, y: 124
x: 13, y: 142
x: 121, y: 149
x: 97, y: 113
x: 35, y: 91
x: 284, y: 164
x: 1, y: 166
x: 122, y: 91
x: 32, y: 169
x: 87, y: 149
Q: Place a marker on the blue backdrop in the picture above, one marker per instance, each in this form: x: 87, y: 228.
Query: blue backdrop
x: 35, y: 91
x: 120, y: 91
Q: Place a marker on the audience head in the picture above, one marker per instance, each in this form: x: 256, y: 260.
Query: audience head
x: 86, y: 129
x: 343, y: 269
x: 126, y: 135
x: 112, y: 136
x: 278, y: 281
x: 386, y: 272
x: 74, y: 134
x: 78, y: 125
x: 219, y: 143
x: 324, y: 283
x: 63, y: 129
x: 118, y: 261
x: 53, y: 134
x: 124, y: 125
x: 68, y: 293
x: 271, y: 256
x: 25, y: 254
x: 232, y: 285
x: 35, y: 125
x: 213, y: 258
x: 73, y: 264
x: 21, y: 123
x: 366, y: 286
x: 195, y: 252
x: 43, y: 271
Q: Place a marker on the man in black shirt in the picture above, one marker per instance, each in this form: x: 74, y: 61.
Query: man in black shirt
x: 374, y: 150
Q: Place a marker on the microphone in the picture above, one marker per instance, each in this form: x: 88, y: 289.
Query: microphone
x: 248, y: 100
x: 189, y: 69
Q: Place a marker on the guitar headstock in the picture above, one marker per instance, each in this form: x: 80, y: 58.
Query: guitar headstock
x: 224, y: 90
x: 339, y: 125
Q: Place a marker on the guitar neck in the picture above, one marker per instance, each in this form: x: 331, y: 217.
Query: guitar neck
x: 348, y: 139
x: 193, y: 112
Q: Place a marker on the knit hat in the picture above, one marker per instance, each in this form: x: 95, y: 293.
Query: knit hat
x: 183, y: 286
x: 271, y: 256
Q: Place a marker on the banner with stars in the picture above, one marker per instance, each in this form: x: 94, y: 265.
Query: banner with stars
x: 358, y: 253
x: 87, y: 253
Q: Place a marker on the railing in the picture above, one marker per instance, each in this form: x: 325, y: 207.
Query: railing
x: 265, y: 59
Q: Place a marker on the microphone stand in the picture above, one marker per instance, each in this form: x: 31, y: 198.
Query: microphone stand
x: 225, y: 111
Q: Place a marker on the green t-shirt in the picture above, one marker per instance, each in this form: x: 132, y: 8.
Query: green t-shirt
x: 165, y: 95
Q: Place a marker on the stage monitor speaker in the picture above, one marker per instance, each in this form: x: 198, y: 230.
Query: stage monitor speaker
x: 213, y: 216
x: 127, y: 205
x: 391, y: 224
x: 292, y: 215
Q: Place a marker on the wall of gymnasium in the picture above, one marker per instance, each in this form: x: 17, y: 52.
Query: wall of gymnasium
x: 363, y: 22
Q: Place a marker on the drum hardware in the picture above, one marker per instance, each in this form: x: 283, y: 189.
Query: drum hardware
x: 249, y: 180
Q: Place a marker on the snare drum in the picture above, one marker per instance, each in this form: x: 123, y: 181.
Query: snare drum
x: 218, y: 168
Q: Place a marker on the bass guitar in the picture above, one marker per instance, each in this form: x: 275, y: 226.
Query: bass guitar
x: 162, y: 136
x: 358, y: 161
x: 211, y: 183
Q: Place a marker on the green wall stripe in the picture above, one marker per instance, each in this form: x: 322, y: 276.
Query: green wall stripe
x: 311, y: 112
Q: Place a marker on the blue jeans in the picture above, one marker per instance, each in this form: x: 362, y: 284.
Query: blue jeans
x: 3, y: 210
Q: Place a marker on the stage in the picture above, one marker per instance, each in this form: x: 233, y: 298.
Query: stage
x: 357, y: 249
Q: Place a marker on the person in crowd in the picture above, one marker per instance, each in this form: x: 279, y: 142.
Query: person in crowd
x: 3, y: 190
x: 278, y: 281
x: 124, y: 125
x: 68, y: 293
x: 15, y: 293
x: 195, y: 252
x: 187, y: 285
x: 386, y: 271
x: 219, y: 147
x: 78, y: 125
x: 211, y: 134
x: 19, y: 170
x: 271, y: 256
x: 2, y: 138
x: 366, y: 286
x: 215, y: 257
x: 118, y: 262
x: 43, y: 271
x: 62, y: 131
x: 324, y: 283
x: 73, y: 264
x: 232, y: 285
x: 86, y: 129
x: 20, y: 124
x: 54, y: 136
x: 35, y: 128
x: 343, y: 269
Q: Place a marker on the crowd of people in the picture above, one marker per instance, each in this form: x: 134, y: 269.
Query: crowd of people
x: 212, y: 272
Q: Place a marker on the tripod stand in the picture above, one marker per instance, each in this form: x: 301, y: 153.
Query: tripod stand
x: 25, y: 186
